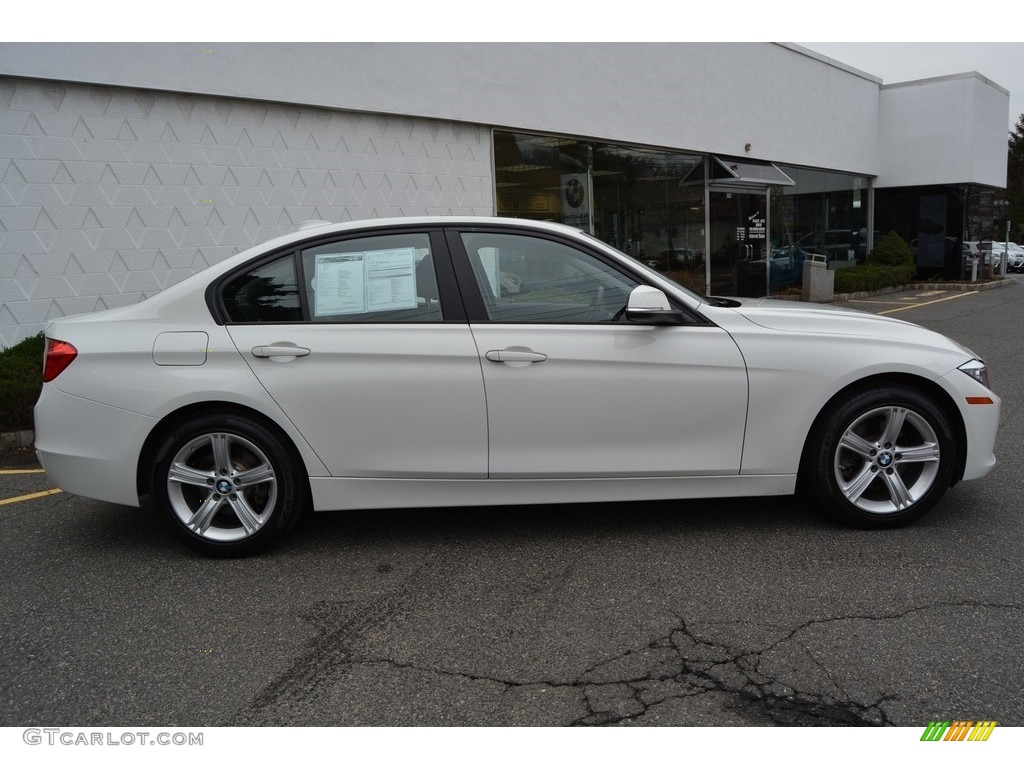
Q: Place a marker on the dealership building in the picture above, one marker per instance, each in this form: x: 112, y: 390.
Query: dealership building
x: 125, y: 167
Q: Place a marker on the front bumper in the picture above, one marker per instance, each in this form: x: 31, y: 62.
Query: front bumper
x: 981, y: 422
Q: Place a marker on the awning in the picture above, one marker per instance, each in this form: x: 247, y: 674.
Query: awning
x: 756, y: 173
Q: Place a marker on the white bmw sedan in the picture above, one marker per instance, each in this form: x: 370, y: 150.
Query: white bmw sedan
x: 477, y: 361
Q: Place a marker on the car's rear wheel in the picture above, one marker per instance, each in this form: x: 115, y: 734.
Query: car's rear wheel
x: 883, y: 458
x: 227, y: 484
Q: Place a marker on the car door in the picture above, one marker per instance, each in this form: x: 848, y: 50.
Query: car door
x: 575, y: 390
x: 364, y: 344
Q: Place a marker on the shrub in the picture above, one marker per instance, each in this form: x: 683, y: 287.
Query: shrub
x: 21, y: 378
x: 891, y: 251
x: 870, y: 277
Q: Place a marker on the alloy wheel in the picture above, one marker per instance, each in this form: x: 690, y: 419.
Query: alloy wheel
x: 887, y: 459
x: 222, y: 486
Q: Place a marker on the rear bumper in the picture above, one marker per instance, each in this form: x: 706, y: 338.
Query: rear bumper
x: 88, y: 448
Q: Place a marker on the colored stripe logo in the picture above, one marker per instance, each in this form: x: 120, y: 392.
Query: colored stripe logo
x: 958, y: 730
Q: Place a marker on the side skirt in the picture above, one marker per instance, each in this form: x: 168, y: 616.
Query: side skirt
x: 339, y: 493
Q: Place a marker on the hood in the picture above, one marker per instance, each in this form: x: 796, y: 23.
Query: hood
x: 798, y: 317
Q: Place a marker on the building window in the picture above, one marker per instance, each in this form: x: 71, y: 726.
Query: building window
x: 824, y: 213
x: 650, y: 204
x: 647, y: 203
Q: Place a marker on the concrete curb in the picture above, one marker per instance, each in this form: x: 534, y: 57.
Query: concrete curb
x: 841, y: 297
x: 963, y: 286
x: 11, y: 440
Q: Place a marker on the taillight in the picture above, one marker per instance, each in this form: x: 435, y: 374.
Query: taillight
x: 59, y: 355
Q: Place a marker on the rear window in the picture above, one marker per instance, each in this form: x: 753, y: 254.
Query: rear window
x: 267, y: 294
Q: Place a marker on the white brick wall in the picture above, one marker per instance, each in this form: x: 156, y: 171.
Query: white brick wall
x: 108, y: 195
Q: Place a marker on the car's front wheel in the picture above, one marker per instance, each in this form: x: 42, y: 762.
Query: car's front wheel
x: 227, y: 484
x: 882, y: 458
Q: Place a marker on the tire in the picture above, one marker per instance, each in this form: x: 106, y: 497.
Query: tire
x: 882, y: 458
x: 228, y: 485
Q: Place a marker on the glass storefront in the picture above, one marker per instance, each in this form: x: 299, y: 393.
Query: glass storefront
x: 725, y: 226
x: 936, y: 221
x: 825, y: 213
x: 640, y: 201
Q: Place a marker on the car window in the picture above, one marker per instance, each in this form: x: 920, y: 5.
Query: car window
x: 267, y: 294
x: 380, y: 279
x: 526, y: 279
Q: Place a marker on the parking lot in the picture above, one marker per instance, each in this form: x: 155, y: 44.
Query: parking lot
x: 735, y: 612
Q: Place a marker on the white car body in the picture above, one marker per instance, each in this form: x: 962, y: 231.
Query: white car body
x: 425, y: 414
x: 1015, y: 257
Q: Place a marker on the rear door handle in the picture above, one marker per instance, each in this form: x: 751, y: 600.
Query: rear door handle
x: 279, y: 350
x: 515, y: 356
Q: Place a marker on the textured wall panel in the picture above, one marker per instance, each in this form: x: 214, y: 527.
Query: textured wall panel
x: 108, y: 195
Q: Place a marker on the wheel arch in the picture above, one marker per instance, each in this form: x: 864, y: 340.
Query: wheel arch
x: 177, y: 417
x: 923, y: 385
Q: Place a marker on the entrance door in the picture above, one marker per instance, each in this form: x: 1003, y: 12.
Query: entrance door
x: 739, y: 242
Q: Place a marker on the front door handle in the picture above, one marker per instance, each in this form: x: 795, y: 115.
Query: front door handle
x: 515, y: 356
x: 280, y: 349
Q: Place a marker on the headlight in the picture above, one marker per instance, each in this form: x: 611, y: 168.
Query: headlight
x: 976, y: 370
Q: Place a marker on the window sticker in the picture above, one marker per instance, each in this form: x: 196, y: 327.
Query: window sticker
x: 370, y: 281
x: 391, y: 279
x: 340, y: 283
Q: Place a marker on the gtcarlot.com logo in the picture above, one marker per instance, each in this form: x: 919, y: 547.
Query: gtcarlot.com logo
x: 73, y: 738
x: 958, y: 730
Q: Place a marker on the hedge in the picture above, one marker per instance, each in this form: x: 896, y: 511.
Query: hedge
x: 869, y: 277
x: 890, y: 263
x: 21, y: 378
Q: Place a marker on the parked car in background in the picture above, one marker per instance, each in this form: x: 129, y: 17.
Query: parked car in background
x: 787, y: 265
x: 672, y: 259
x: 437, y: 362
x: 1015, y: 258
x: 837, y: 244
x: 990, y: 253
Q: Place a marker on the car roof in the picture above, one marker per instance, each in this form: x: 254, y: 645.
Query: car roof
x: 313, y: 230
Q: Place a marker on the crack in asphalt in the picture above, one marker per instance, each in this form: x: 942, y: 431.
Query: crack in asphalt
x: 624, y: 688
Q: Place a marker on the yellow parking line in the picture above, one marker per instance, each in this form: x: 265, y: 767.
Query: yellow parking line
x: 21, y: 471
x: 926, y: 303
x: 875, y: 301
x: 30, y: 496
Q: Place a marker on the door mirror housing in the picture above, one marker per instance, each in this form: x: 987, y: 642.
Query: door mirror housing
x: 650, y: 305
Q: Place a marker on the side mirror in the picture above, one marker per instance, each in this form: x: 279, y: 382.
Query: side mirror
x: 650, y: 306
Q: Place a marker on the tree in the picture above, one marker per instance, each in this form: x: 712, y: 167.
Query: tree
x: 1015, y: 180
